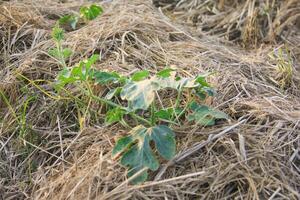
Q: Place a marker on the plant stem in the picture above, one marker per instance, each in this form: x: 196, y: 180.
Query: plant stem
x: 61, y: 54
x: 178, y: 98
x: 176, y: 105
x: 152, y: 113
x: 140, y: 118
x: 105, y: 101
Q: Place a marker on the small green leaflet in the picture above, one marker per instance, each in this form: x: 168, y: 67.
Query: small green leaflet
x: 203, y: 92
x: 141, y: 75
x: 71, y: 20
x: 137, y: 153
x: 64, y: 77
x: 91, y: 60
x: 164, y: 114
x: 165, y: 73
x: 66, y: 53
x: 88, y: 13
x: 80, y: 72
x: 57, y: 33
x: 205, y: 115
x: 91, y: 12
x: 201, y: 79
x: 168, y: 113
x: 210, y: 91
x: 114, y: 115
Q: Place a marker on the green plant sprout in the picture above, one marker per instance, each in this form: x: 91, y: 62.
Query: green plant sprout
x: 85, y: 13
x: 60, y: 53
x: 135, y: 102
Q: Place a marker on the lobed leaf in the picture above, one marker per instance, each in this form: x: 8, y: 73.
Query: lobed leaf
x: 55, y: 53
x: 137, y: 152
x: 122, y: 144
x: 139, y: 94
x: 164, y: 139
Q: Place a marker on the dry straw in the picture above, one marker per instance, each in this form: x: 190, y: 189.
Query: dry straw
x: 256, y: 156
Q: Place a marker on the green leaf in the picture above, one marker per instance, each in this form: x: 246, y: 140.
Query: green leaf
x: 164, y: 139
x: 205, y: 115
x: 201, y: 79
x: 139, y: 179
x: 122, y: 144
x: 141, y: 75
x: 57, y: 54
x: 91, y: 12
x: 71, y: 20
x: 64, y: 77
x: 67, y: 53
x: 57, y: 33
x: 201, y: 94
x: 80, y: 72
x: 164, y: 114
x: 137, y: 152
x: 140, y: 155
x: 83, y: 70
x: 165, y: 73
x: 102, y: 77
x: 91, y: 60
x: 139, y: 94
x: 114, y: 115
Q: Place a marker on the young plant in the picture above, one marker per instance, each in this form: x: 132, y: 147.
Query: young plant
x: 60, y: 53
x: 127, y: 96
x: 85, y: 14
x: 134, y: 101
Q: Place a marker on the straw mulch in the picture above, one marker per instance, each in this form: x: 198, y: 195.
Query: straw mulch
x: 256, y: 155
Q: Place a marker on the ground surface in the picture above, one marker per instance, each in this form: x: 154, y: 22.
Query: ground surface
x: 253, y: 46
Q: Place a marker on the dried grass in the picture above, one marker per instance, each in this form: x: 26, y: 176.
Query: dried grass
x: 255, y: 156
x: 248, y: 22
